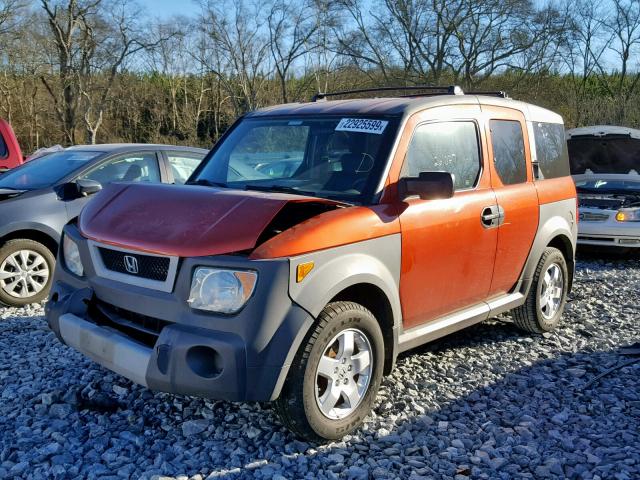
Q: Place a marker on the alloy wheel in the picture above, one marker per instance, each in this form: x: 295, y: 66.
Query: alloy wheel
x: 552, y: 291
x: 343, y: 374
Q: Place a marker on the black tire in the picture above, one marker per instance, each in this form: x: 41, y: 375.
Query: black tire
x: 297, y: 406
x: 13, y: 246
x: 529, y: 316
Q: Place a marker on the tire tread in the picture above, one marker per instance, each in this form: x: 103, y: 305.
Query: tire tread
x: 525, y: 316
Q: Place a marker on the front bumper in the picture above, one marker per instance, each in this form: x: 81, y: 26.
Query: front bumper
x: 608, y: 232
x: 243, y: 357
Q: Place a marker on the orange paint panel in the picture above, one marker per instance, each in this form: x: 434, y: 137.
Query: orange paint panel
x: 520, y: 205
x: 331, y: 229
x: 447, y: 255
x: 556, y: 189
x: 515, y: 235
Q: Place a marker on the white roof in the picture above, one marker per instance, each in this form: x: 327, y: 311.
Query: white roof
x: 603, y: 130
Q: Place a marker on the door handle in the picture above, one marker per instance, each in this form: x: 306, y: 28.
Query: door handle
x: 489, y: 216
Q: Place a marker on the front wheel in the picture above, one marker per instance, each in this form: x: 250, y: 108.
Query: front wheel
x: 26, y: 270
x: 335, y: 376
x: 547, y: 297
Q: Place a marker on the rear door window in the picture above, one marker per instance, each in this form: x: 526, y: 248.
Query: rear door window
x: 551, y: 150
x: 445, y: 147
x: 182, y: 165
x: 137, y: 167
x: 507, y: 141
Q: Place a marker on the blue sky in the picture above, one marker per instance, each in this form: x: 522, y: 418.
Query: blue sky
x: 166, y: 8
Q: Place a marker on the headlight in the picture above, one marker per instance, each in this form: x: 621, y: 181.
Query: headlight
x: 219, y: 290
x: 628, y: 215
x: 72, y: 256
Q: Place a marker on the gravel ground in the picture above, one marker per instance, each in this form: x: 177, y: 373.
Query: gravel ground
x: 488, y: 402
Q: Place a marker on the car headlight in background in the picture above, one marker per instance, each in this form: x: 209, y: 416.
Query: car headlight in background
x: 628, y: 215
x: 71, y: 256
x: 220, y: 290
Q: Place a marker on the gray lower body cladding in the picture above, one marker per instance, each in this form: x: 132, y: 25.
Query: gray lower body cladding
x: 154, y: 338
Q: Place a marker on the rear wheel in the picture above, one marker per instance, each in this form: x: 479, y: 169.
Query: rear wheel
x: 547, y: 297
x: 26, y: 269
x: 334, y: 379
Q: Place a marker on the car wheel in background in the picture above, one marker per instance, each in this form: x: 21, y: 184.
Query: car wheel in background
x: 26, y: 270
x: 547, y: 296
x: 335, y: 376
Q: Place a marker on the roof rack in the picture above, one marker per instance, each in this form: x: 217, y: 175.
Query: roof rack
x: 497, y: 93
x: 432, y: 90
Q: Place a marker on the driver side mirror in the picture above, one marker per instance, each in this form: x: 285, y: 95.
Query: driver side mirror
x: 88, y: 187
x: 427, y: 186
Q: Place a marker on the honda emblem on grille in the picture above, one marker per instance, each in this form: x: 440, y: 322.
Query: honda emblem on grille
x: 131, y: 264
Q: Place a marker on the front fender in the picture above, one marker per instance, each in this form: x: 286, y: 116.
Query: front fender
x: 32, y: 226
x: 376, y: 262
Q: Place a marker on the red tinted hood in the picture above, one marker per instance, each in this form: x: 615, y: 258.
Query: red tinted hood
x: 184, y: 221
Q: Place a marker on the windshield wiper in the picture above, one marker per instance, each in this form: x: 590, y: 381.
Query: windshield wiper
x: 279, y: 189
x: 207, y: 183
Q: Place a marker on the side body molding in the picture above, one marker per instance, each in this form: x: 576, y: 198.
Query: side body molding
x: 375, y: 262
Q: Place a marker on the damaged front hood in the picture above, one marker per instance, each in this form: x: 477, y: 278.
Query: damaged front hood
x: 188, y: 221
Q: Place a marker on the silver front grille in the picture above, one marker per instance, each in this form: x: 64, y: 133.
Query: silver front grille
x: 593, y: 217
x: 157, y: 272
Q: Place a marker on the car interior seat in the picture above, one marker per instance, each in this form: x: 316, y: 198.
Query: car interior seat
x: 134, y: 172
x: 354, y: 171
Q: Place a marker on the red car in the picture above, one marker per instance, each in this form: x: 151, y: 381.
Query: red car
x: 10, y: 154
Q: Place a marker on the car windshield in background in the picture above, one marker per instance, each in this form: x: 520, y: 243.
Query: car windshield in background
x: 597, y: 186
x: 609, y: 154
x: 45, y: 171
x: 331, y: 157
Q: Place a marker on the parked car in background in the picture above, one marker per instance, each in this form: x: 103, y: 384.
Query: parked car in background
x: 605, y: 164
x: 385, y: 223
x: 10, y: 153
x: 39, y: 197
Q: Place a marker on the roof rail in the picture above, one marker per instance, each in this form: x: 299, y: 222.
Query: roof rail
x: 497, y: 93
x: 433, y: 90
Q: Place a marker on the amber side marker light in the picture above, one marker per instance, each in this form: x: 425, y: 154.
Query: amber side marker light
x: 303, y: 270
x: 621, y: 217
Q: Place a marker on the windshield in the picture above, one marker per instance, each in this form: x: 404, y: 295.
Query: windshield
x: 329, y: 157
x: 596, y: 186
x: 610, y: 154
x: 46, y: 171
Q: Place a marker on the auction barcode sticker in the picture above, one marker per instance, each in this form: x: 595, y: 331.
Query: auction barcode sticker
x: 362, y: 125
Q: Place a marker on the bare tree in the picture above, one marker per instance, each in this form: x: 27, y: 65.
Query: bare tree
x: 585, y: 50
x: 624, y: 27
x: 495, y: 35
x: 92, y: 40
x: 292, y: 27
x: 10, y: 13
x: 238, y: 50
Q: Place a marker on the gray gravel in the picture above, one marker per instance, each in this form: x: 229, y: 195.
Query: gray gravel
x: 488, y: 402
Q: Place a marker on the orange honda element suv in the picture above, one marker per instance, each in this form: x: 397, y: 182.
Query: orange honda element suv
x: 319, y: 240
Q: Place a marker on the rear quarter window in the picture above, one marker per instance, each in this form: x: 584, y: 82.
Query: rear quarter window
x: 551, y: 150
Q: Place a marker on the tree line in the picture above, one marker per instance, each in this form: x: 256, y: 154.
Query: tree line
x: 98, y: 71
